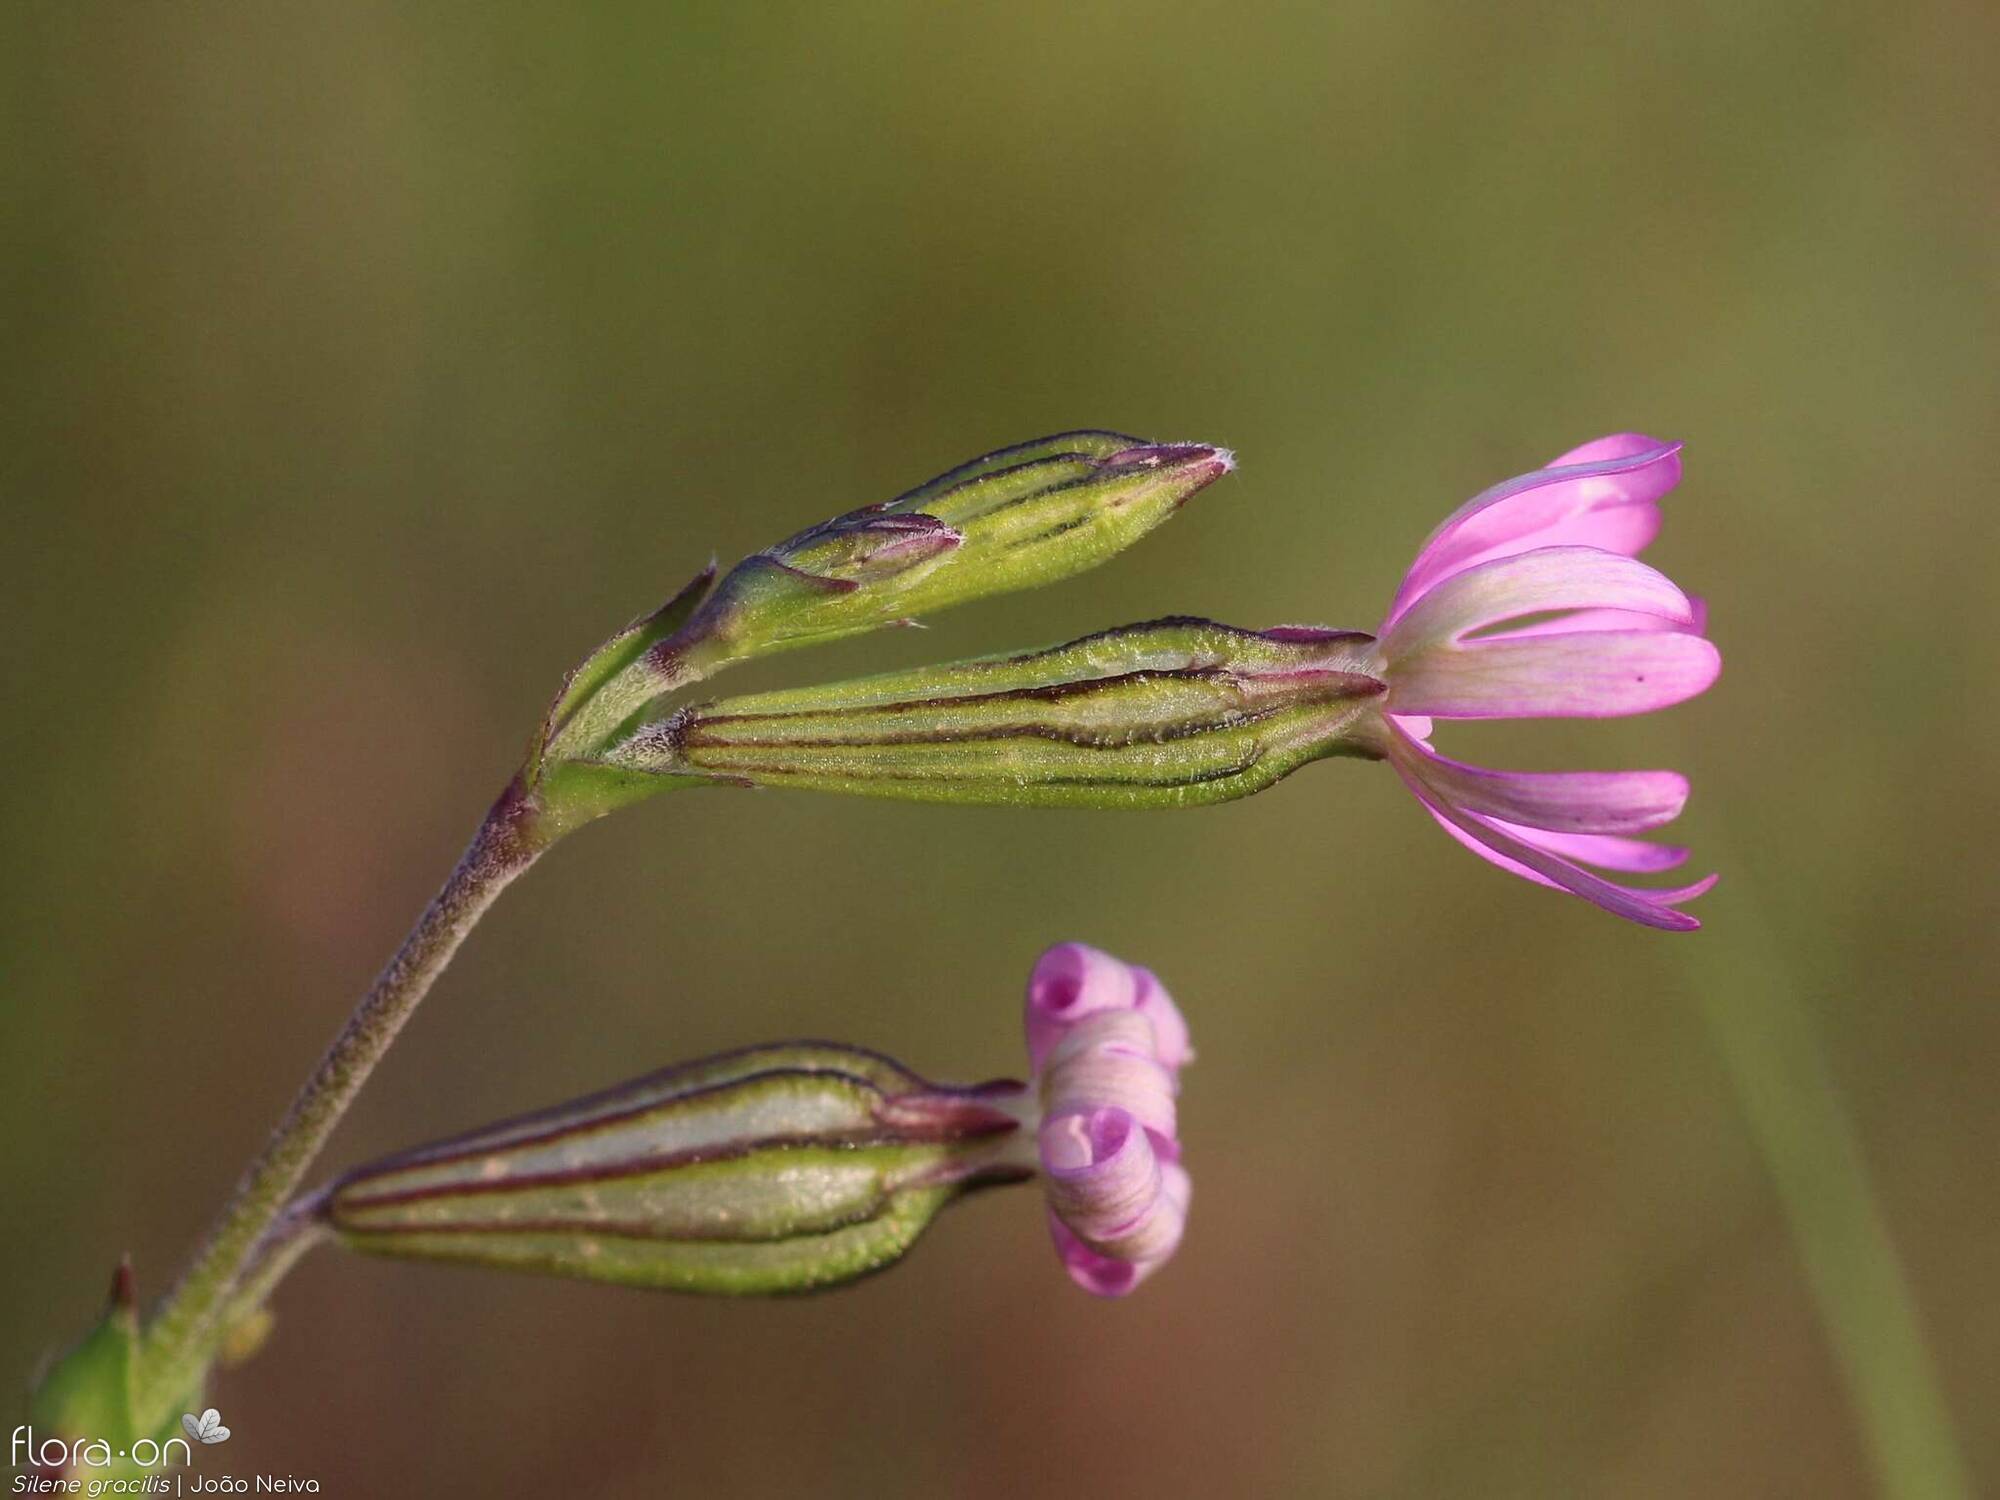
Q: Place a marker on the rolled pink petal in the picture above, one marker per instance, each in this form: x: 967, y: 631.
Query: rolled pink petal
x: 1171, y: 1039
x: 1528, y: 583
x: 1103, y: 1174
x: 1113, y: 1276
x: 1608, y: 499
x: 1100, y: 1275
x: 1155, y: 1233
x: 1108, y: 1060
x: 1069, y: 982
x: 1107, y: 1041
x: 1594, y: 675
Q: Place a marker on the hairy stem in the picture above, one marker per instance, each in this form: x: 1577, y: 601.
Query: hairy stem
x: 183, y: 1330
x: 282, y: 1246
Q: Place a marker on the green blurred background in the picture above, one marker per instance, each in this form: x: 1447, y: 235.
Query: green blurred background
x: 367, y: 364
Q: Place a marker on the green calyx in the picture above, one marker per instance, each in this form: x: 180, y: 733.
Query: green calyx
x: 85, y: 1410
x: 778, y: 1169
x: 878, y: 1237
x: 616, y: 681
x: 1014, y: 519
x: 1177, y: 712
x: 1050, y: 509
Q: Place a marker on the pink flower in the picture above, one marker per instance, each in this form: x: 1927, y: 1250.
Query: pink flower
x: 1529, y: 602
x: 1107, y: 1044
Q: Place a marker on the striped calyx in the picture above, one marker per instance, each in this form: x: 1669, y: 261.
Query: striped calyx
x: 776, y: 1169
x: 1015, y: 519
x: 1172, y: 713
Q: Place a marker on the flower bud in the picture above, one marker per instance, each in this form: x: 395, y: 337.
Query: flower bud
x: 838, y: 578
x: 1108, y: 1045
x: 1015, y: 519
x: 1173, y: 713
x: 804, y: 1165
x: 1044, y: 510
x: 865, y: 547
x: 777, y: 1169
x: 81, y: 1418
x: 1074, y: 980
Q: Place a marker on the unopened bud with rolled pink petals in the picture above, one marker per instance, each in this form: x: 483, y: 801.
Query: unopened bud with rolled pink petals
x: 1107, y: 1044
x: 803, y: 1165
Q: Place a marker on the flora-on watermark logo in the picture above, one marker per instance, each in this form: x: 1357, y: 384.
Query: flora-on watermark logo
x: 57, y: 1456
x: 58, y: 1466
x: 206, y: 1428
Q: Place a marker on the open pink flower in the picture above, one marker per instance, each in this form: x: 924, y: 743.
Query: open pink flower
x: 1529, y: 602
x: 1107, y: 1045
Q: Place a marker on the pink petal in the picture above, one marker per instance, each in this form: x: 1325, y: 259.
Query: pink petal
x: 1105, y: 1275
x: 1108, y: 1061
x: 1512, y: 867
x: 1100, y: 1275
x: 1416, y: 772
x: 1680, y: 895
x: 1462, y: 799
x: 1416, y: 726
x: 1103, y: 1174
x: 1567, y: 502
x: 1593, y: 675
x: 1577, y: 621
x: 1529, y: 583
x: 1172, y: 1043
x: 1069, y: 982
x: 1581, y: 802
x: 1629, y: 529
x: 1606, y: 851
x: 1648, y: 908
x: 1600, y: 450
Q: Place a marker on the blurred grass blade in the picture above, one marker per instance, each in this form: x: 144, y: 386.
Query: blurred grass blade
x: 1776, y: 1062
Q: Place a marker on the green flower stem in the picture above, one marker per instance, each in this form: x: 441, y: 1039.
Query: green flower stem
x: 181, y: 1336
x: 294, y: 1232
